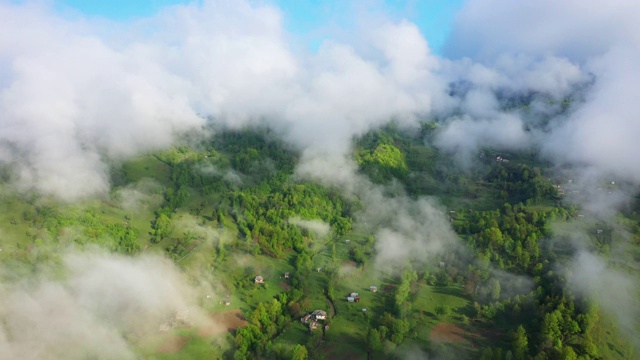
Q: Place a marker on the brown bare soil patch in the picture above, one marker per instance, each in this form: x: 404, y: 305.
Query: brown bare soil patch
x: 448, y: 333
x: 334, y: 352
x: 284, y: 286
x: 389, y: 288
x: 227, y: 321
x: 174, y: 344
x: 349, y: 263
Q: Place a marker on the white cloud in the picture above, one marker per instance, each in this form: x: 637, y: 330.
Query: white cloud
x: 102, y: 306
x: 75, y: 93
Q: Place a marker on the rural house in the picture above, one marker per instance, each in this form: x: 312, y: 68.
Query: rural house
x: 319, y: 315
x: 314, y: 316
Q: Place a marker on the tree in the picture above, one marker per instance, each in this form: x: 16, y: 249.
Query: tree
x: 443, y: 311
x: 342, y: 226
x: 551, y: 329
x: 400, y: 328
x: 249, y: 338
x: 520, y: 343
x: 374, y: 342
x: 568, y: 353
x: 275, y: 310
x: 299, y: 352
x: 162, y: 227
x: 357, y: 254
x: 303, y: 263
x: 295, y: 309
x: 260, y: 316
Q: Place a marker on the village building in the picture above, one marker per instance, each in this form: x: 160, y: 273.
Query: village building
x: 319, y: 315
x: 314, y: 316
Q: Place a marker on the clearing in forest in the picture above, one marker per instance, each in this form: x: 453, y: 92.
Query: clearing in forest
x: 448, y: 333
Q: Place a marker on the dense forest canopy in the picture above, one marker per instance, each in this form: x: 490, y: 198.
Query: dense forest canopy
x: 504, y: 283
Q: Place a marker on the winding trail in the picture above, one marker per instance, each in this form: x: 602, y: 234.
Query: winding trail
x: 334, y: 312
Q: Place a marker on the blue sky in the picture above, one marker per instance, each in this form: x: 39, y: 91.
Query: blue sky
x: 312, y: 20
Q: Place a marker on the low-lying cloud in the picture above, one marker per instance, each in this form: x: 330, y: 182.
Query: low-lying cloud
x: 615, y: 291
x: 77, y: 95
x: 550, y: 50
x: 73, y: 95
x: 102, y: 307
x: 405, y: 229
x: 320, y: 228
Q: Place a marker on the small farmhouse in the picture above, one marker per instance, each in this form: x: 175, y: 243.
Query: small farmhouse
x: 319, y: 315
x: 314, y: 317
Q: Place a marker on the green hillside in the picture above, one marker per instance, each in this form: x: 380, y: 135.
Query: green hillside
x: 232, y: 208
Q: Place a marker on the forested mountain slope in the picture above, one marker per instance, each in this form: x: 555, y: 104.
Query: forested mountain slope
x: 498, y: 271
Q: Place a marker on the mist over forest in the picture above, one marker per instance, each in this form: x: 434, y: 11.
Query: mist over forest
x: 198, y: 184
